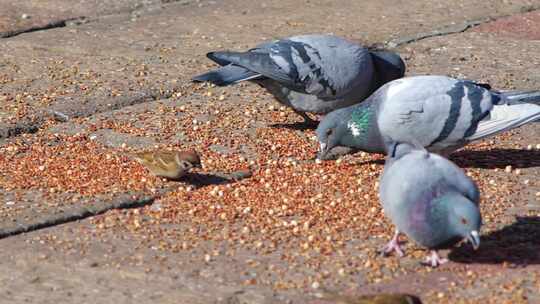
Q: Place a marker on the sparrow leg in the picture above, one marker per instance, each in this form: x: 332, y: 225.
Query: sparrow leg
x: 393, y: 245
x: 434, y: 260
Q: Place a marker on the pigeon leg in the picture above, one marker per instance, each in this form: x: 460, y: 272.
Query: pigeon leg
x: 434, y: 260
x: 393, y: 245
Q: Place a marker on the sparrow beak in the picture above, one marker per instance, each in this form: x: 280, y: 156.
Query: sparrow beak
x: 323, y: 150
x: 474, y: 238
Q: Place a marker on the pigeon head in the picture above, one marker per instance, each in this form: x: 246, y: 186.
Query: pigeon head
x: 331, y: 130
x: 465, y: 219
x: 389, y: 66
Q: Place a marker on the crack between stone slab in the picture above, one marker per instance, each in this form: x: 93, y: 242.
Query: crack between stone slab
x: 8, y: 130
x: 27, y: 127
x: 82, y: 19
x: 100, y: 207
x: 75, y: 215
x: 448, y: 30
x: 452, y: 29
x: 50, y: 25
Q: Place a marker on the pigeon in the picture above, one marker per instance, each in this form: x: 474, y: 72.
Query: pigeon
x: 309, y: 73
x: 440, y: 113
x: 381, y: 298
x: 430, y: 199
x: 172, y: 165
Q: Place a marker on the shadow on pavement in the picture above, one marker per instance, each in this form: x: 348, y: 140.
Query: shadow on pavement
x: 518, y: 244
x: 300, y: 126
x: 207, y: 179
x: 497, y: 158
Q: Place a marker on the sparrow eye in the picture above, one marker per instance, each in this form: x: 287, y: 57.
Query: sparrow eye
x: 464, y: 221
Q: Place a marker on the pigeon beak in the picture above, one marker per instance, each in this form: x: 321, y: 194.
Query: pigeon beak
x: 474, y: 238
x: 323, y: 150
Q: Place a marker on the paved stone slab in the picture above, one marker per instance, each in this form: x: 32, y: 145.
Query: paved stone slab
x: 63, y: 73
x: 22, y: 16
x: 36, y: 275
x: 504, y: 63
x: 294, y: 227
x: 184, y: 234
x: 523, y: 26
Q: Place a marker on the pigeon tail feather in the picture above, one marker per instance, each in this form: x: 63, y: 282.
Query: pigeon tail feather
x: 220, y: 57
x: 229, y: 74
x: 515, y: 97
x: 505, y: 117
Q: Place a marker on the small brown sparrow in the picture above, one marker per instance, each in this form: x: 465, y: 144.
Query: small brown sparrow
x: 169, y: 164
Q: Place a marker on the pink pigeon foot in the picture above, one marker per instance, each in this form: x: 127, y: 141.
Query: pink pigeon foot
x: 393, y: 245
x: 434, y: 260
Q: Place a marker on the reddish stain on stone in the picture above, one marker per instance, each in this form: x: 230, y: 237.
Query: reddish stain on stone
x: 522, y: 26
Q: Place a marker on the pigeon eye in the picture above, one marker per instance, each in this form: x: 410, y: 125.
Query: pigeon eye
x: 329, y: 132
x: 464, y: 221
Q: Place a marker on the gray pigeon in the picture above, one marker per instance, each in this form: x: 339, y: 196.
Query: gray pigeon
x: 309, y: 73
x: 437, y: 112
x: 429, y: 199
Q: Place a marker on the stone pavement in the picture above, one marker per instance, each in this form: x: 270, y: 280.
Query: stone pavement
x: 84, y: 83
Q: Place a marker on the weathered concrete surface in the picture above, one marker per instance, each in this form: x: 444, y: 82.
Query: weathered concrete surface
x: 143, y: 56
x: 121, y: 81
x: 521, y: 26
x: 479, y: 56
x: 18, y: 17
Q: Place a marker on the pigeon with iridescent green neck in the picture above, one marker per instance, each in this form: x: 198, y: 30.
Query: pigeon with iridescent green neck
x: 429, y: 199
x: 437, y: 112
x: 309, y: 73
